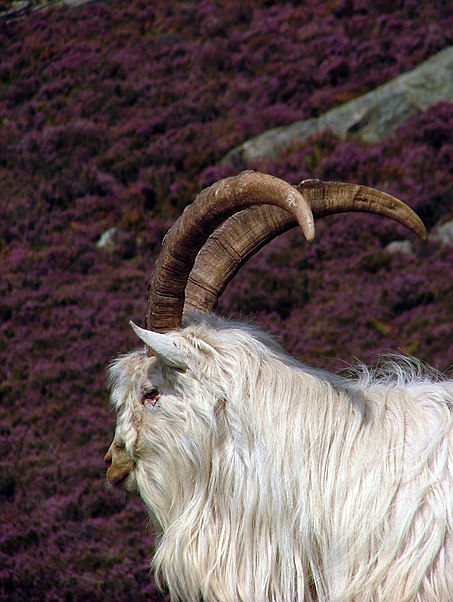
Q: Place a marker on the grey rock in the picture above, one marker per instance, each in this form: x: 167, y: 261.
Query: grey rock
x: 15, y: 11
x: 21, y: 8
x: 443, y: 234
x: 400, y: 246
x: 370, y: 117
x: 107, y: 240
x: 118, y: 242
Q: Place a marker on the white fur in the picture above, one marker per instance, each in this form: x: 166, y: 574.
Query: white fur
x: 269, y: 480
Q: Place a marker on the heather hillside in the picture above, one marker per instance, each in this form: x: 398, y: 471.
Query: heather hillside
x: 114, y: 115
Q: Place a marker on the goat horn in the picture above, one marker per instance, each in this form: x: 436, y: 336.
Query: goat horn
x: 199, y: 220
x: 326, y: 198
x: 242, y: 235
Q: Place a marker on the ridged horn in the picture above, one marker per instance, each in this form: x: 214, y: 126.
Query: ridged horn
x: 242, y: 235
x: 199, y: 220
x: 326, y: 198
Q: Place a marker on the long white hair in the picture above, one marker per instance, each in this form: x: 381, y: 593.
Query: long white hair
x: 268, y: 480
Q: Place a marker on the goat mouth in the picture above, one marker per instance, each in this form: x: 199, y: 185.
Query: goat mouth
x: 119, y: 480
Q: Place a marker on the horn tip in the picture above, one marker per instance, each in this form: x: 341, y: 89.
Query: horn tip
x: 135, y: 328
x: 309, y: 233
x: 423, y: 234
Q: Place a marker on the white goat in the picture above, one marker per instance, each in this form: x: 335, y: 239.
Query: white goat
x: 268, y: 480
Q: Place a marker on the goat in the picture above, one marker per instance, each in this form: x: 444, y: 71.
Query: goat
x: 266, y: 479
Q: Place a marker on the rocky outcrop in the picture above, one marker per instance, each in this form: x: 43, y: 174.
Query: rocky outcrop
x: 20, y: 8
x: 370, y: 117
x: 400, y: 247
x: 443, y: 234
x: 118, y: 242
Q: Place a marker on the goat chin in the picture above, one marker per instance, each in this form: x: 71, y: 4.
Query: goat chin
x: 271, y: 480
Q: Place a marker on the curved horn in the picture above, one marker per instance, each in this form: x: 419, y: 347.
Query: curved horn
x: 326, y: 198
x: 199, y: 220
x: 241, y: 236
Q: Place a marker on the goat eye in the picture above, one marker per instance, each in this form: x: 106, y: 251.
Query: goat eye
x: 151, y: 395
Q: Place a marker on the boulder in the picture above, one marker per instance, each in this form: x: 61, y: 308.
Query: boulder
x: 118, y: 242
x: 403, y: 247
x: 370, y: 117
x: 443, y: 234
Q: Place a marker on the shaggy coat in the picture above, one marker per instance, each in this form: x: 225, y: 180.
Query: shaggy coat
x: 268, y: 480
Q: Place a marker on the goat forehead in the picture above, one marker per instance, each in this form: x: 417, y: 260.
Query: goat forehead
x: 129, y: 369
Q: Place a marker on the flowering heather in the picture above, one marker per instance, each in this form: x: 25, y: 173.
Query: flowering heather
x: 116, y: 115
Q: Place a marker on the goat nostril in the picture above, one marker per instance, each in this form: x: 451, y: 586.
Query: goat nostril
x: 108, y: 459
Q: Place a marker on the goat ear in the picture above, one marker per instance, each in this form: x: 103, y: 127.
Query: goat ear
x: 164, y: 346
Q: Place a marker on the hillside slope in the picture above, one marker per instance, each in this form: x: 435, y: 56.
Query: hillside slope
x: 116, y: 115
